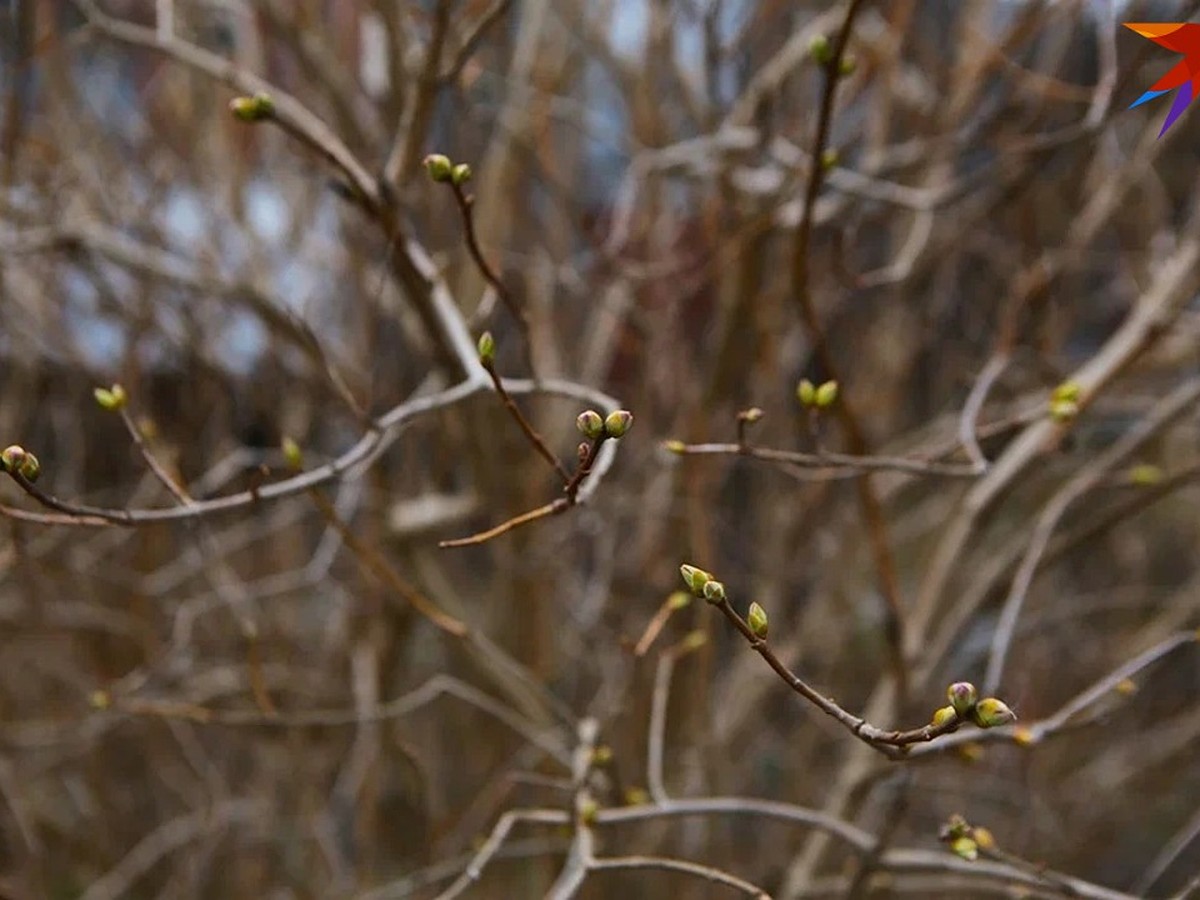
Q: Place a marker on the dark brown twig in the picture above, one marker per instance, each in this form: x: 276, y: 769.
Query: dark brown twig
x: 892, y: 744
x: 515, y: 411
x: 466, y: 204
x: 555, y: 507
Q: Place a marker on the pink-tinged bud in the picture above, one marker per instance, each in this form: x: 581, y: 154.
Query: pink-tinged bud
x: 589, y: 423
x: 962, y: 697
x: 12, y: 457
x: 618, y: 422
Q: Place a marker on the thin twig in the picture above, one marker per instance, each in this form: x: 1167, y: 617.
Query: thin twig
x: 534, y: 438
x: 572, y: 491
x: 466, y: 206
x: 679, y: 865
x: 893, y: 744
x: 968, y: 423
x: 829, y: 460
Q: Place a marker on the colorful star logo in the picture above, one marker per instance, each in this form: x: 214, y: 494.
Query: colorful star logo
x: 1182, y: 37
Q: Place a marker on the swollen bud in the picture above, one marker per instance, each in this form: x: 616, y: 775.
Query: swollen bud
x: 291, y: 453
x: 962, y: 697
x: 992, y: 713
x: 966, y: 848
x: 678, y: 447
x: 694, y: 578
x: 439, y: 167
x: 847, y: 66
x: 826, y: 395
x: 30, y: 468
x: 806, y: 392
x: 944, y: 716
x: 487, y: 349
x: 12, y: 457
x: 460, y: 174
x: 820, y: 49
x: 111, y: 399
x: 252, y: 109
x: 618, y: 422
x: 589, y: 423
x: 714, y: 591
x: 756, y: 618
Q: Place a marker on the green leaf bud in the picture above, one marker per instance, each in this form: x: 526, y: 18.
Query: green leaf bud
x: 944, y: 716
x: 589, y: 423
x: 439, y: 167
x: 756, y: 618
x: 714, y: 591
x: 826, y: 395
x: 806, y: 392
x: 695, y: 578
x: 618, y: 422
x: 992, y: 713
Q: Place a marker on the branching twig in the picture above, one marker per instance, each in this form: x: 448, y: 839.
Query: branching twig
x: 466, y: 205
x: 830, y: 460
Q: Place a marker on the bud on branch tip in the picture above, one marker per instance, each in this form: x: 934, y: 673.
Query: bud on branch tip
x: 111, y: 398
x: 589, y: 423
x: 487, y: 348
x: 618, y: 422
x: 439, y: 167
x: 252, y: 109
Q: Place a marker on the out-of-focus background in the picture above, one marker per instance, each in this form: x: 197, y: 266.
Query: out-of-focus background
x: 304, y: 696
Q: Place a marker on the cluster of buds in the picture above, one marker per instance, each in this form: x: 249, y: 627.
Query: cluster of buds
x: 965, y: 705
x: 441, y: 169
x: 252, y: 109
x: 964, y: 839
x: 594, y: 427
x: 1064, y: 401
x: 112, y: 398
x: 16, y: 460
x: 697, y: 580
x: 703, y: 585
x: 816, y: 396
